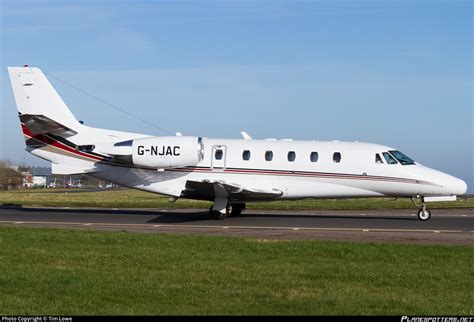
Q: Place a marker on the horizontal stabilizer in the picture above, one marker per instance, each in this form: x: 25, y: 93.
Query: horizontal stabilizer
x: 68, y: 170
x: 40, y: 124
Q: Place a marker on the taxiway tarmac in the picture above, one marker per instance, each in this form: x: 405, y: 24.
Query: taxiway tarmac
x: 447, y: 226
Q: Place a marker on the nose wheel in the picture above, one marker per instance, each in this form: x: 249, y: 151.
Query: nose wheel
x: 424, y: 213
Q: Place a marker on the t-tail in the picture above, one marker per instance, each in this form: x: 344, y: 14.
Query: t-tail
x: 50, y: 129
x: 45, y: 118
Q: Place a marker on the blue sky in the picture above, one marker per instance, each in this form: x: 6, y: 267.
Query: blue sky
x: 397, y: 73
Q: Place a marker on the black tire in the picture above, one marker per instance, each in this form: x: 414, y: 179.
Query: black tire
x: 237, y: 209
x: 217, y: 215
x: 424, y: 215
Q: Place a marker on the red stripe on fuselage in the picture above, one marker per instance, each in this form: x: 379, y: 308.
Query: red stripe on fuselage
x: 302, y: 174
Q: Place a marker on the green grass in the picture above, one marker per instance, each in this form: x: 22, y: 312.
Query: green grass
x: 69, y: 272
x: 139, y: 199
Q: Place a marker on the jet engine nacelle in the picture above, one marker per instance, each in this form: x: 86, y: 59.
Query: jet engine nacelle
x: 167, y: 152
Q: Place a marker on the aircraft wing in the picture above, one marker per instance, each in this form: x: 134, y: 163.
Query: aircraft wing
x: 209, y: 190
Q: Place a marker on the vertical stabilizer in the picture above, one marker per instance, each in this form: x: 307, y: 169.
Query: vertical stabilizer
x: 34, y: 95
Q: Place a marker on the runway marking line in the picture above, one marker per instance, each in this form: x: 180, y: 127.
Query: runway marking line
x: 236, y: 227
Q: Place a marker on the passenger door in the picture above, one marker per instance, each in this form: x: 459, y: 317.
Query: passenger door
x: 218, y: 157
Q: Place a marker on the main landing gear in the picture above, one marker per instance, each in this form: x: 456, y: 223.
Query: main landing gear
x: 424, y: 213
x: 223, y: 208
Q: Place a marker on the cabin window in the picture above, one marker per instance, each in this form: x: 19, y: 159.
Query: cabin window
x: 389, y: 158
x: 269, y: 155
x: 219, y: 154
x: 314, y: 156
x: 378, y: 159
x: 246, y: 155
x: 291, y: 156
x: 336, y: 157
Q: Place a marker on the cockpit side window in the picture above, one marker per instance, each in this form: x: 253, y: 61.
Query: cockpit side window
x: 388, y: 157
x: 378, y: 159
x: 402, y: 158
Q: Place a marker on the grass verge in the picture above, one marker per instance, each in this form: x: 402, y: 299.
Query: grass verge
x: 139, y: 199
x: 70, y: 272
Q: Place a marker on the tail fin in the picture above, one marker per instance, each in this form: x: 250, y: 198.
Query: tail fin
x: 38, y: 102
x: 50, y: 129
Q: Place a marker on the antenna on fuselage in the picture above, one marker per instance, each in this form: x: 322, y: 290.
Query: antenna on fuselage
x: 245, y: 135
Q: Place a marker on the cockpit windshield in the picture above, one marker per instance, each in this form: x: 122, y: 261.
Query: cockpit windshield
x: 402, y: 158
x: 388, y: 157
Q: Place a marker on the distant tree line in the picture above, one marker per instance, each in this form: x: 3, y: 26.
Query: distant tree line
x: 10, y: 178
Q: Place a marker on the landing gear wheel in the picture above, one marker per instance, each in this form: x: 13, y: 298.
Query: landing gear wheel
x: 217, y: 215
x: 424, y: 214
x: 236, y: 209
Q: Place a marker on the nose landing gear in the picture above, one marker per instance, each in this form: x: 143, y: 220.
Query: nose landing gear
x: 424, y: 213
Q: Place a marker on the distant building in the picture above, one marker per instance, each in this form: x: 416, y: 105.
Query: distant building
x: 41, y: 176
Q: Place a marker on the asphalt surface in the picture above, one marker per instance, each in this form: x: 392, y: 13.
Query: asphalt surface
x: 446, y: 226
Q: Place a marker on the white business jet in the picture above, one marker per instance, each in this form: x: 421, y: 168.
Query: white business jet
x: 228, y: 172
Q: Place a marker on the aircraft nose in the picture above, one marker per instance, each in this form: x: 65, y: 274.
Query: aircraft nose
x: 455, y: 186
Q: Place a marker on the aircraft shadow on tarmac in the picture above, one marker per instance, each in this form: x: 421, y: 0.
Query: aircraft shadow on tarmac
x: 177, y: 217
x: 173, y: 216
